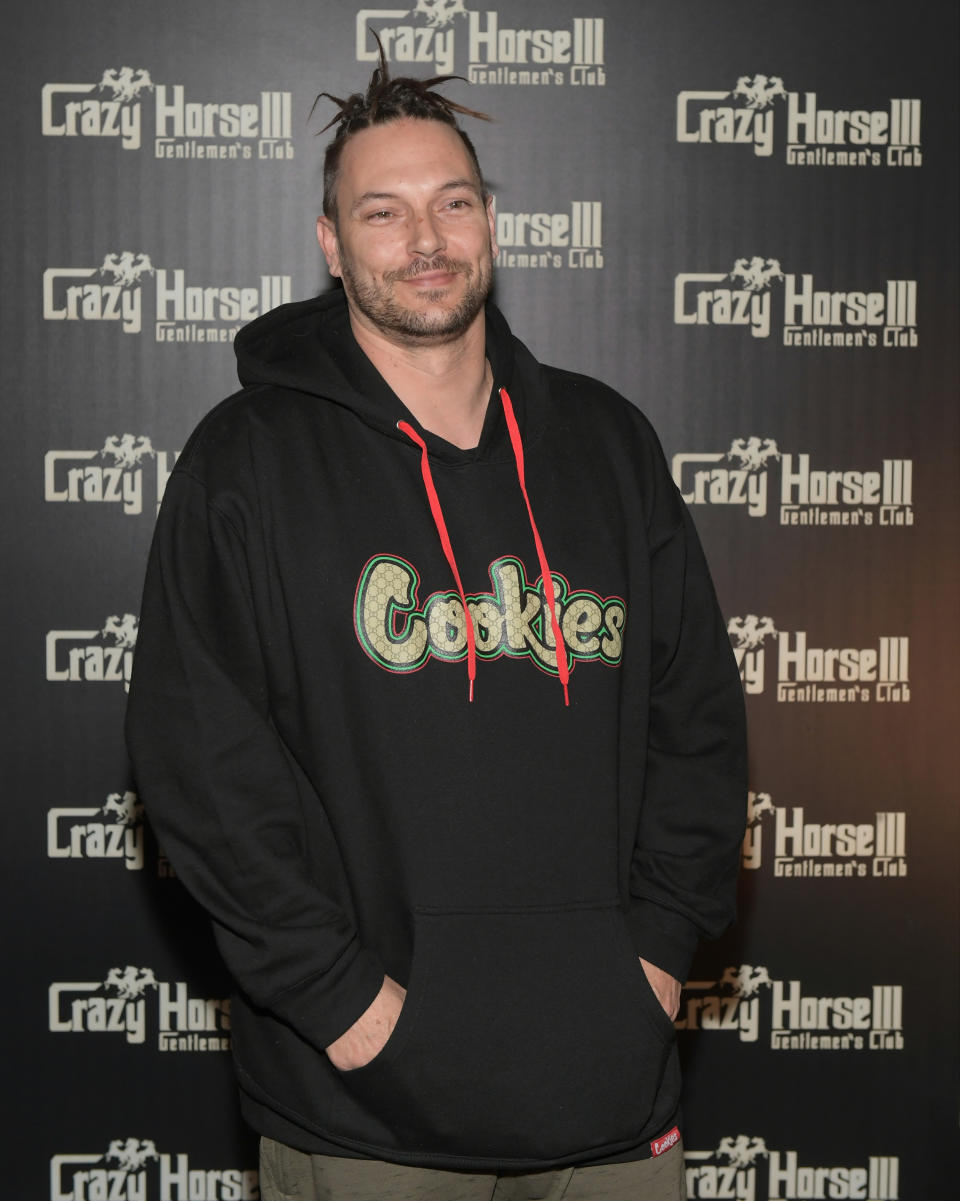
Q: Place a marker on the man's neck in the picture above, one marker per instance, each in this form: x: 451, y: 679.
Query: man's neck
x: 445, y: 387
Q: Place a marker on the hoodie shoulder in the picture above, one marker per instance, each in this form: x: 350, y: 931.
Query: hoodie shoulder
x: 581, y: 398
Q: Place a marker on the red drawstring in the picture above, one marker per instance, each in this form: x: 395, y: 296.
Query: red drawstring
x: 562, y: 669
x: 441, y: 525
x: 516, y: 442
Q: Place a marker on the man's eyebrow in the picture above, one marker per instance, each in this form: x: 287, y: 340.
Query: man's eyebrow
x: 451, y: 185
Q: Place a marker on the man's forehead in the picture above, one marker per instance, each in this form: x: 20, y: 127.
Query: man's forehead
x: 407, y: 150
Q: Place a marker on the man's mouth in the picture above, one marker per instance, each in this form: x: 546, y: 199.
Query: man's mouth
x: 436, y: 273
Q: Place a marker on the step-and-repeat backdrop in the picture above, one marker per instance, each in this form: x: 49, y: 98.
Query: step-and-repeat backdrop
x: 740, y: 214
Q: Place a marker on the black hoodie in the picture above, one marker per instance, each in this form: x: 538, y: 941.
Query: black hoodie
x: 303, y: 737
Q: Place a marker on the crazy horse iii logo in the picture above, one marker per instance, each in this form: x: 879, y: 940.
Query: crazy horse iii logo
x: 571, y: 238
x: 126, y: 268
x: 749, y: 634
x: 495, y: 52
x: 810, y: 495
x: 748, y: 999
x: 184, y: 311
x: 115, y: 1006
x: 182, y: 128
x: 133, y: 1169
x: 747, y: 305
x: 759, y: 92
x: 114, y: 474
x: 816, y: 674
x: 835, y: 849
x: 126, y: 84
x: 400, y: 635
x: 757, y: 274
x: 114, y: 831
x: 118, y: 1005
x: 847, y: 318
x: 439, y: 12
x: 744, y: 1168
x: 731, y: 1004
x: 130, y: 982
x: 814, y: 135
x: 96, y: 656
x: 758, y: 803
x: 702, y: 479
x: 118, y: 300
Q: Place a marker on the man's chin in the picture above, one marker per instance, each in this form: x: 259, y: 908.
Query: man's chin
x: 432, y: 323
x: 432, y: 329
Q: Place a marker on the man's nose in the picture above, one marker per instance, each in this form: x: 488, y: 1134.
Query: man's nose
x: 426, y: 236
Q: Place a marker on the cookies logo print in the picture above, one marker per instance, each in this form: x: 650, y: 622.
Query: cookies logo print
x: 399, y: 634
x: 496, y: 53
x: 132, y: 1169
x: 183, y: 129
x: 848, y: 136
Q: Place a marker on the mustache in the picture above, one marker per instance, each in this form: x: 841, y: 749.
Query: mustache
x: 439, y: 262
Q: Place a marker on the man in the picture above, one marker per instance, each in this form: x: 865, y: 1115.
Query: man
x: 458, y: 876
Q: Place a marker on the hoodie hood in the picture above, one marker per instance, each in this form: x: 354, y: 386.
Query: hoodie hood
x: 308, y: 346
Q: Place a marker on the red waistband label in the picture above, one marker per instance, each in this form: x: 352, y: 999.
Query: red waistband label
x: 666, y: 1141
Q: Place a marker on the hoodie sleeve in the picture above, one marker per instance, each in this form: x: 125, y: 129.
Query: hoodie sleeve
x: 222, y: 791
x: 687, y: 851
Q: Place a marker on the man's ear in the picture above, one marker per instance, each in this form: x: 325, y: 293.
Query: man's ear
x: 492, y: 223
x: 329, y: 244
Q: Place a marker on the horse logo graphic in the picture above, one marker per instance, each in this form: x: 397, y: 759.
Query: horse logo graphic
x: 758, y: 803
x: 759, y: 92
x: 127, y: 810
x: 745, y: 981
x: 752, y: 452
x: 123, y: 630
x: 131, y: 1154
x: 741, y: 1152
x: 750, y: 631
x: 126, y: 267
x: 130, y: 982
x: 125, y: 84
x: 757, y: 274
x: 439, y: 12
x: 126, y: 451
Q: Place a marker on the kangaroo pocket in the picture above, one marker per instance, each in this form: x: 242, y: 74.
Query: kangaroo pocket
x: 530, y: 1034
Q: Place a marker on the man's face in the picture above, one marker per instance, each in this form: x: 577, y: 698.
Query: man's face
x: 413, y: 240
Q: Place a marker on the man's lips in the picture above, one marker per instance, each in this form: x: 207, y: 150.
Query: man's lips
x: 432, y: 279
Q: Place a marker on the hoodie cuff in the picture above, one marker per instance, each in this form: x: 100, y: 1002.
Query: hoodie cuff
x: 663, y: 937
x: 321, y: 1009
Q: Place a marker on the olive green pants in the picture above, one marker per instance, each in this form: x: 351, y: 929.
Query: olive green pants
x: 289, y: 1175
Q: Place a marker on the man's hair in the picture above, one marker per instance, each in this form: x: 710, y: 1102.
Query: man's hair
x: 387, y: 100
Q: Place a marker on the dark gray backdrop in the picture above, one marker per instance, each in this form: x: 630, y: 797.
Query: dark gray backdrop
x: 161, y: 181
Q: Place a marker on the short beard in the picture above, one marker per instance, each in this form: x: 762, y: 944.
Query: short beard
x: 408, y: 326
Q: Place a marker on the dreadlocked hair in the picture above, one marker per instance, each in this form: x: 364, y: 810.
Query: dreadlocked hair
x: 387, y: 100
